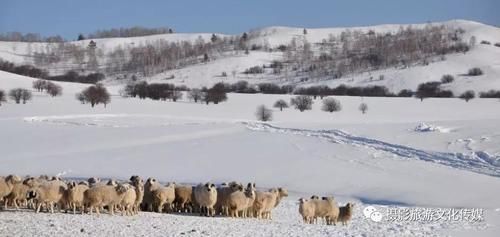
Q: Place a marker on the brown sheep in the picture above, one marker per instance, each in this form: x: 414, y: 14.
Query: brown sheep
x: 104, y: 195
x: 241, y: 201
x: 345, y: 213
x: 223, y: 193
x: 184, y: 197
x: 75, y: 197
x: 6, y: 186
x: 150, y: 185
x: 306, y: 210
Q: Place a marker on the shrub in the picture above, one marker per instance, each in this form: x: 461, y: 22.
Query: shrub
x: 490, y: 94
x: 468, y: 95
x: 302, y: 102
x: 263, y: 113
x: 497, y: 44
x: 485, y: 42
x: 2, y: 97
x: 405, y: 93
x: 363, y: 107
x: 447, y: 79
x: 280, y: 104
x: 428, y: 89
x: 254, y: 70
x: 475, y: 72
x: 331, y: 105
x: 216, y: 94
x: 20, y: 94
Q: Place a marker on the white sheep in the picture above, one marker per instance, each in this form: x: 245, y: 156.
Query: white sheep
x: 150, y: 185
x: 18, y: 195
x: 241, y: 201
x: 306, y: 210
x: 128, y: 201
x: 206, y: 197
x: 326, y: 208
x: 75, y: 197
x: 265, y: 202
x: 164, y: 196
x: 46, y: 193
x: 223, y: 193
x: 104, y: 195
x: 6, y: 186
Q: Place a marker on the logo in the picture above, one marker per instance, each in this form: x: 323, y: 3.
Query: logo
x: 371, y: 212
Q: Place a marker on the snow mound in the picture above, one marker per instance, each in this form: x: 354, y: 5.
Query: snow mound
x: 424, y: 127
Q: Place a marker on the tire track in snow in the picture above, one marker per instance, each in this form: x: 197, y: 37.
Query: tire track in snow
x: 478, y: 162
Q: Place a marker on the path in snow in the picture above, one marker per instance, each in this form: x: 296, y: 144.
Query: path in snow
x: 476, y: 161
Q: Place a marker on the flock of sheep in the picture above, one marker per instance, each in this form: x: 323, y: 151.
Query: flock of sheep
x: 228, y: 199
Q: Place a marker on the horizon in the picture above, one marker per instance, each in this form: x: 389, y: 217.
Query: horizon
x: 67, y: 19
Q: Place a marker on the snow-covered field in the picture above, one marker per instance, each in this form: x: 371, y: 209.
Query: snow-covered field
x: 439, y: 153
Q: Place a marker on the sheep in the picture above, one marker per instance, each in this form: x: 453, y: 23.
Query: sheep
x: 6, y: 186
x: 18, y: 194
x: 149, y: 187
x: 345, y: 213
x: 326, y: 208
x: 129, y: 201
x: 75, y: 197
x: 206, y: 197
x: 93, y: 181
x: 46, y: 192
x: 184, y: 198
x: 266, y: 201
x: 164, y: 196
x: 104, y: 195
x: 306, y: 210
x: 223, y: 193
x: 240, y: 201
x: 138, y: 185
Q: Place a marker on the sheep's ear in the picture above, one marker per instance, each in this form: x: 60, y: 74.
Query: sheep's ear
x: 207, y: 185
x: 212, y: 185
x: 254, y: 185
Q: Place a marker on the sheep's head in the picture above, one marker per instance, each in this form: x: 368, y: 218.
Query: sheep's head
x: 13, y: 179
x: 120, y: 188
x: 93, y: 180
x: 29, y: 182
x: 71, y: 185
x: 210, y: 187
x: 31, y: 194
x: 54, y: 178
x: 330, y: 199
x: 349, y: 206
x: 44, y: 176
x: 236, y: 186
x: 251, y: 187
x: 112, y: 182
x: 302, y: 200
x: 283, y: 192
x: 314, y: 197
x: 136, y: 180
x: 84, y: 183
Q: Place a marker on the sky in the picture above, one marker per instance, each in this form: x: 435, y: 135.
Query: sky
x: 68, y: 18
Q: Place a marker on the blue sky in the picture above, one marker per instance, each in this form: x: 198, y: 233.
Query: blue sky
x: 70, y: 17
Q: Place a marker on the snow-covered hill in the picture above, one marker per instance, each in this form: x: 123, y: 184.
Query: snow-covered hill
x: 486, y: 57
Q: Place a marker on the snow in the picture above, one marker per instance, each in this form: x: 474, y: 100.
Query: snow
x: 376, y: 159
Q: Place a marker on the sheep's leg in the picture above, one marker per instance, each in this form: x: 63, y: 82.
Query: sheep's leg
x: 51, y: 205
x: 38, y: 207
x: 15, y: 205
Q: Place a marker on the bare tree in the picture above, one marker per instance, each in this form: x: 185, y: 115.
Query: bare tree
x: 331, y: 105
x: 53, y: 89
x: 195, y: 94
x: 2, y: 97
x: 302, y: 102
x: 20, y: 94
x: 468, y: 95
x: 363, y: 107
x: 263, y: 113
x: 40, y: 85
x: 96, y: 95
x: 281, y: 104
